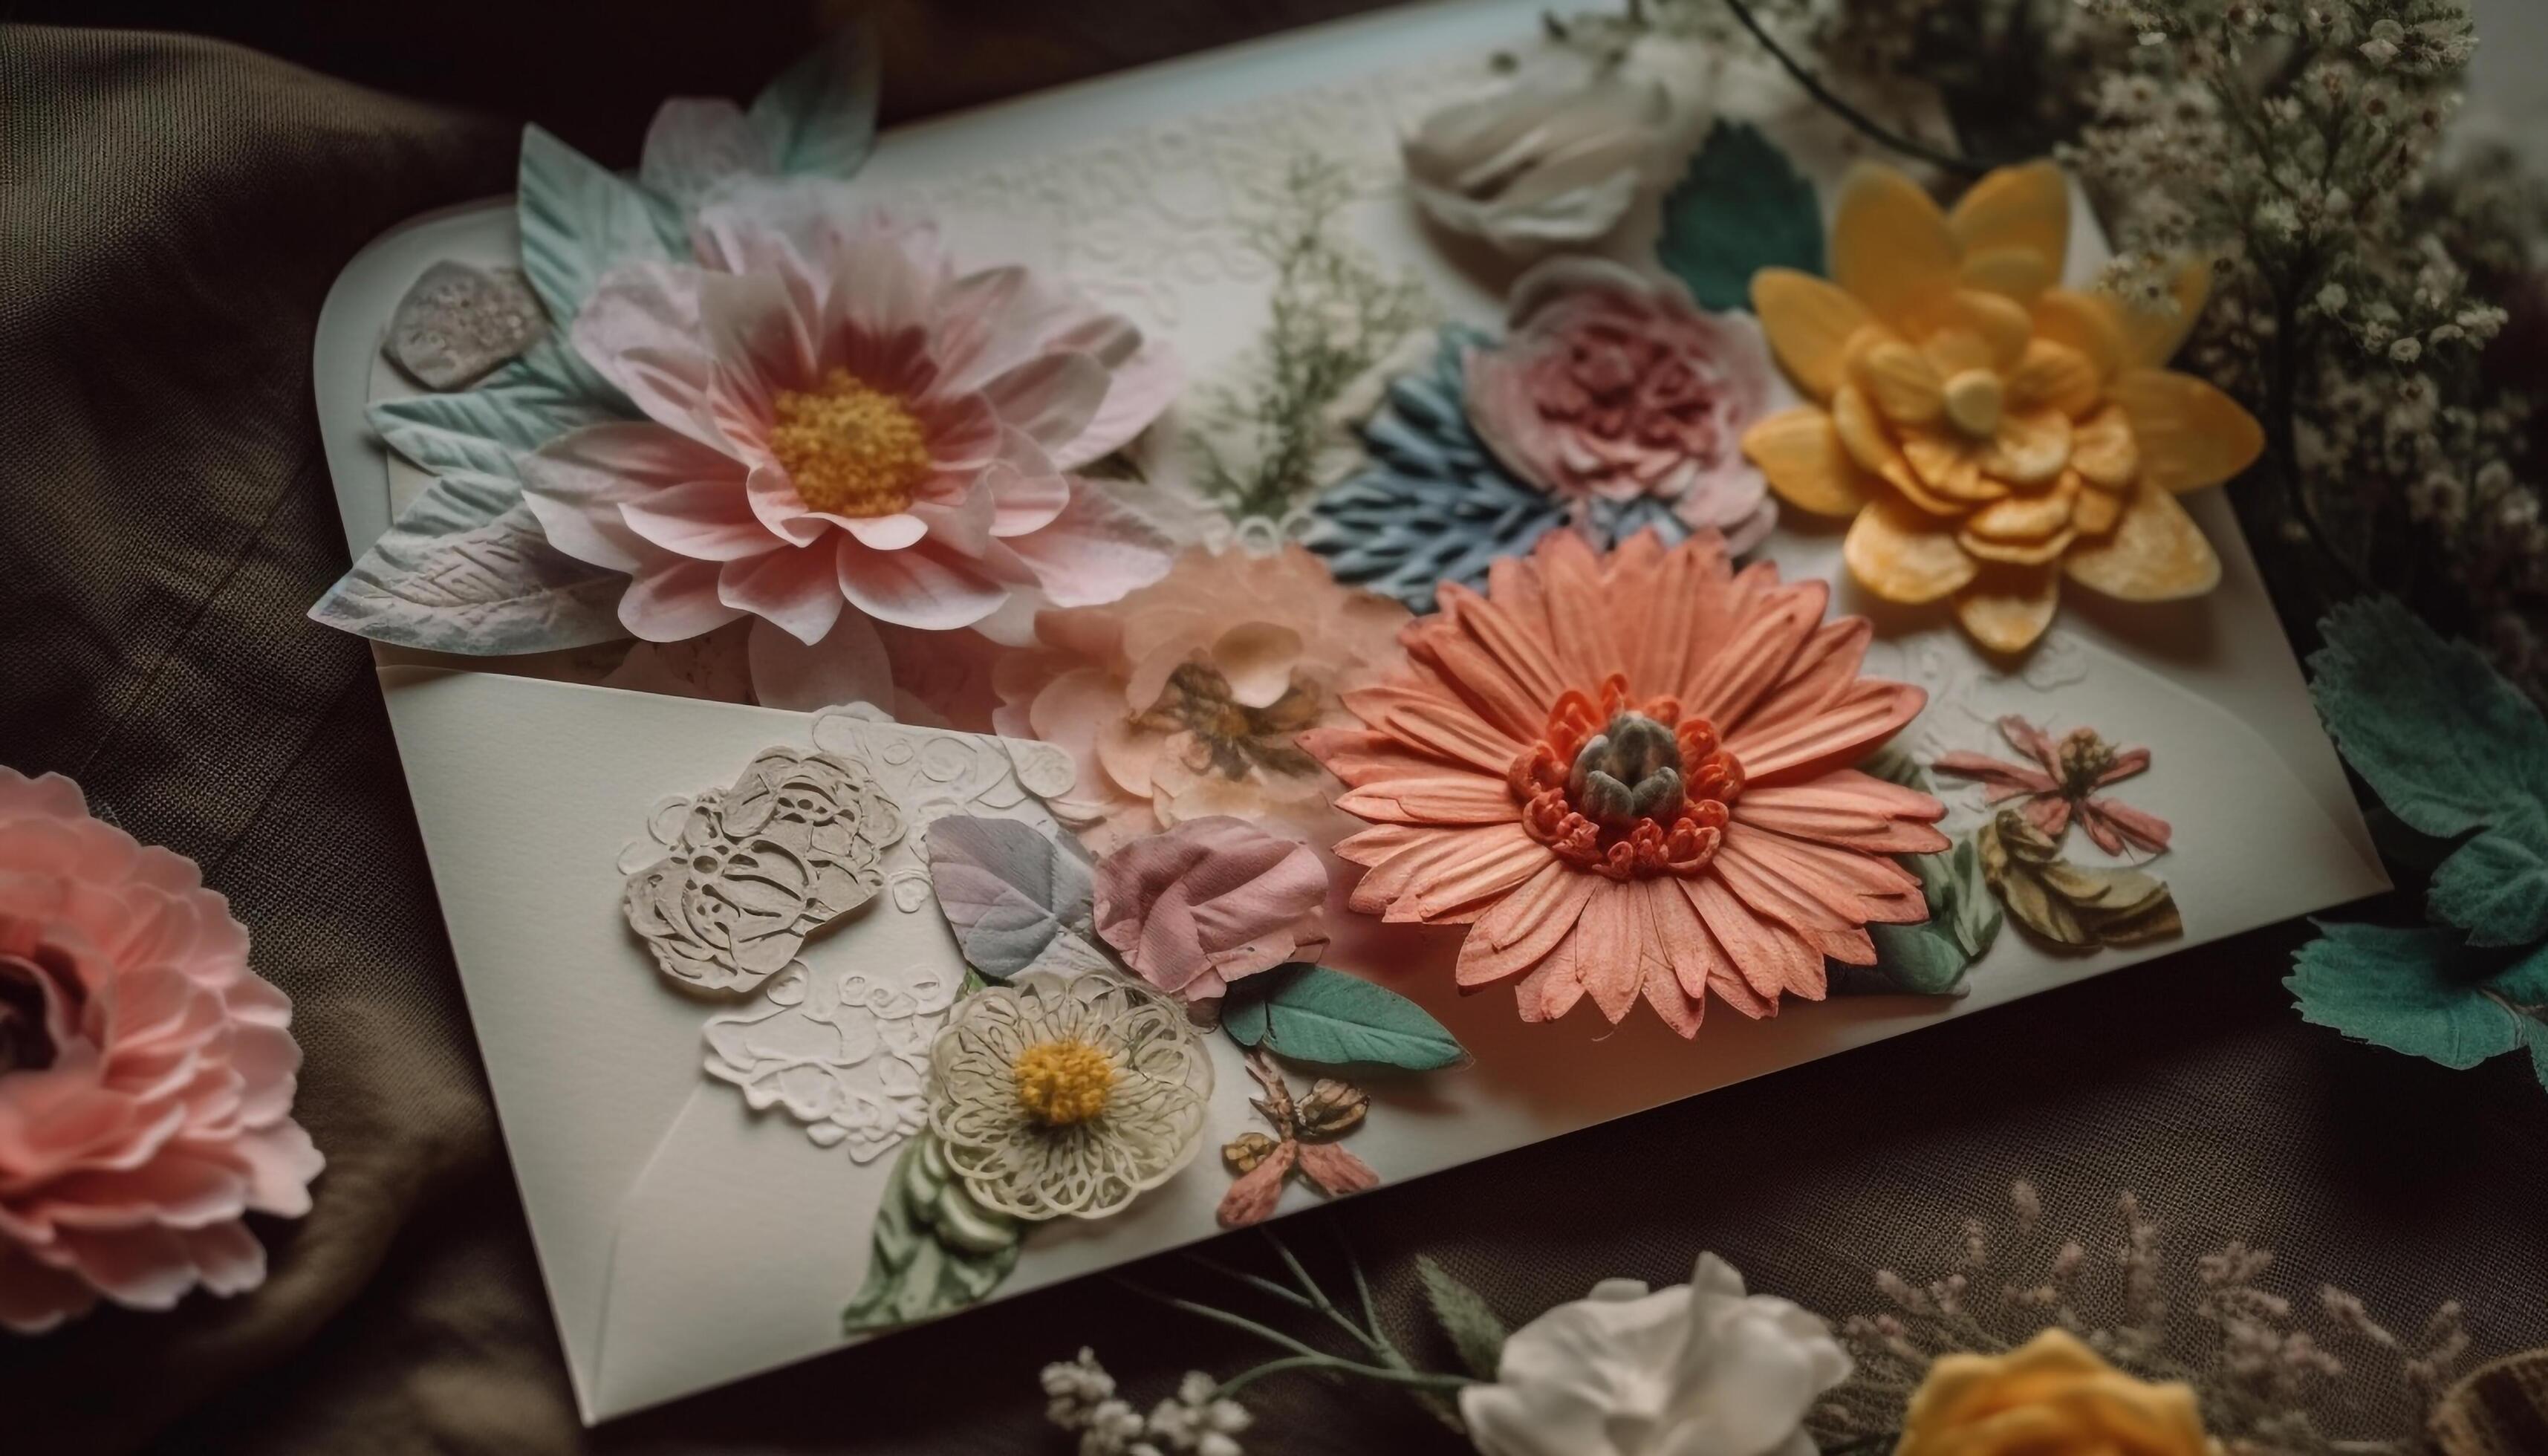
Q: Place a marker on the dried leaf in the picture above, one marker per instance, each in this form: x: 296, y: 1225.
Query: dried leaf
x: 1245, y: 1152
x: 1331, y: 1110
x: 2067, y: 903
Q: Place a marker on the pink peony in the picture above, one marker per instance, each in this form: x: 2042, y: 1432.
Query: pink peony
x: 145, y: 1073
x: 1184, y: 698
x: 839, y: 427
x: 1195, y: 907
x: 1614, y: 386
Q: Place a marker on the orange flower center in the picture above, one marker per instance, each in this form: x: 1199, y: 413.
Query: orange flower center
x: 1626, y: 791
x: 850, y: 448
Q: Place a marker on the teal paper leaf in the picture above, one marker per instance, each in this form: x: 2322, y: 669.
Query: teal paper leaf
x: 1928, y: 958
x: 466, y: 570
x: 2407, y: 989
x: 1740, y: 208
x: 820, y: 113
x: 1921, y: 960
x: 936, y: 1249
x: 1477, y: 1334
x: 522, y: 406
x: 1309, y: 1013
x: 578, y: 219
x: 2453, y: 750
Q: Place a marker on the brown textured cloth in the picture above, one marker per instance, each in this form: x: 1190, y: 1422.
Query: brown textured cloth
x: 171, y: 215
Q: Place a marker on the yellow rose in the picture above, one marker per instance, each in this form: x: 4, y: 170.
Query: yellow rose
x: 2052, y: 1397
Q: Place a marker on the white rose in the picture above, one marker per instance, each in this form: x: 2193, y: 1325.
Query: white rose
x: 1700, y: 1369
x: 1547, y: 163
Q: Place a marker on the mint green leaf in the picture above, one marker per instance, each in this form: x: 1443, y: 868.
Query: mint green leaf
x: 1975, y: 919
x: 1922, y: 960
x: 1740, y: 208
x: 466, y: 569
x: 2407, y: 989
x: 579, y: 219
x: 1476, y: 1331
x: 2524, y: 982
x: 936, y: 1249
x: 2495, y: 886
x: 1312, y: 1014
x: 522, y: 406
x: 820, y: 113
x: 2453, y: 750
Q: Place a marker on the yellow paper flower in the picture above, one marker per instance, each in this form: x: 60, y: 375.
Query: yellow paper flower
x: 1987, y: 430
x: 2050, y: 1396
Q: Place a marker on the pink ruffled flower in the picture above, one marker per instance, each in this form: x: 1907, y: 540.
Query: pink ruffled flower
x: 1195, y: 907
x: 839, y: 427
x: 1184, y: 698
x: 1614, y: 386
x: 2065, y: 787
x: 145, y: 1073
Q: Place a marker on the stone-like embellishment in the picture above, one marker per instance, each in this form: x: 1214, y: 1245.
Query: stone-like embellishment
x: 457, y: 322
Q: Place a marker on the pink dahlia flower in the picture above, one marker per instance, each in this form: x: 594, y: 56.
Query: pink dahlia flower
x: 1613, y: 385
x: 841, y: 428
x: 145, y: 1073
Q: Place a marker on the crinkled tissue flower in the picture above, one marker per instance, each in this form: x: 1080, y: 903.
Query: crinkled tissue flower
x: 1198, y: 906
x: 841, y: 428
x: 147, y: 1073
x: 1700, y: 1369
x: 1986, y: 430
x: 1629, y: 775
x: 1614, y: 385
x: 2050, y: 1396
x: 1058, y: 1094
x: 1184, y: 698
x: 2064, y: 785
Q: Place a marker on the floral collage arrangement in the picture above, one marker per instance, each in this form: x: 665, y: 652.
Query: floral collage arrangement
x: 1481, y: 615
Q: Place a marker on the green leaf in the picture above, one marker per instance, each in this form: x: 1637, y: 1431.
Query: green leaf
x: 1312, y: 1014
x: 2407, y: 989
x: 820, y: 113
x: 1927, y: 960
x: 579, y: 219
x: 2452, y: 749
x: 1476, y: 1332
x: 1740, y: 208
x: 936, y: 1248
x: 1922, y: 960
x: 466, y: 569
x: 521, y: 406
x: 1976, y: 918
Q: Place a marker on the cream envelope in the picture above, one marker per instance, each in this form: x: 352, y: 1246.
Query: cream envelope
x: 697, y: 1228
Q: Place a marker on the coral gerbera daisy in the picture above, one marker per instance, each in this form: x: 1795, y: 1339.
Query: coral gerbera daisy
x: 1629, y: 775
x: 1987, y: 431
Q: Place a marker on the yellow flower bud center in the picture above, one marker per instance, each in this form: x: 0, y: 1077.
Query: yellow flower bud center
x: 1973, y: 400
x: 850, y: 448
x: 1062, y: 1083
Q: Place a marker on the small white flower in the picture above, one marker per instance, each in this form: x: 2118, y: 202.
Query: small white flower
x: 2332, y: 299
x: 2406, y: 349
x: 1699, y: 1367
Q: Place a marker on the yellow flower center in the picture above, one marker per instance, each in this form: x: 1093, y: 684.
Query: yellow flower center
x: 850, y: 448
x: 1974, y: 398
x: 1062, y: 1083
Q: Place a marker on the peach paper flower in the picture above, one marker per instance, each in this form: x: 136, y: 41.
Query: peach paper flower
x: 839, y: 427
x: 1985, y: 431
x: 145, y: 1073
x: 1614, y: 386
x: 1185, y: 698
x: 1629, y: 775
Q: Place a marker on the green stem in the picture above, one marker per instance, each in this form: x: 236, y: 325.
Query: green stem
x: 1814, y: 87
x: 1255, y: 1281
x: 1318, y: 1299
x: 1417, y: 1379
x: 1264, y: 1333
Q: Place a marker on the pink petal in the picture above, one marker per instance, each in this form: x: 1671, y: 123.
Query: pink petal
x: 1253, y: 1194
x: 2003, y: 779
x: 640, y: 329
x: 797, y: 587
x: 919, y: 586
x: 670, y: 599
x: 2147, y: 831
x: 227, y: 1257
x: 576, y: 483
x: 962, y: 528
x: 709, y: 519
x: 1215, y: 895
x: 1525, y: 925
x: 1336, y: 1171
x: 281, y: 1162
x: 35, y: 1297
x: 1023, y: 502
x: 2127, y: 763
x: 1050, y: 397
x: 994, y: 319
x: 1141, y: 389
x: 1095, y: 551
x: 2028, y: 739
x: 774, y: 500
x: 2051, y: 813
x: 846, y: 666
x: 880, y: 532
x: 760, y: 346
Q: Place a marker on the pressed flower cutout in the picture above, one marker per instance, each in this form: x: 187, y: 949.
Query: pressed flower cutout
x: 843, y: 430
x: 1186, y: 698
x: 1987, y: 430
x: 2062, y: 786
x: 1629, y: 775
